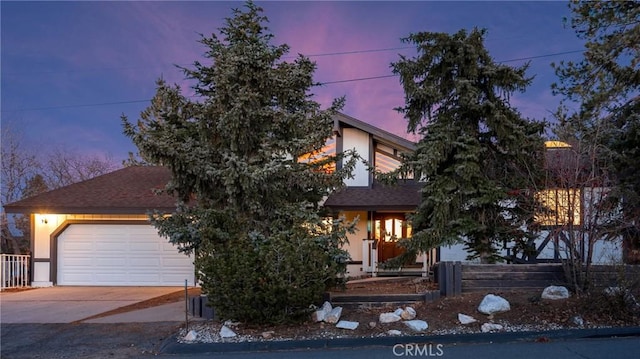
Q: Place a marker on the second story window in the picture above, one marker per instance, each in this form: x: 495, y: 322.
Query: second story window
x: 329, y: 149
x: 387, y: 159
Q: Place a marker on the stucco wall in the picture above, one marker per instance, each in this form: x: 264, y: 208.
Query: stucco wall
x: 359, y: 140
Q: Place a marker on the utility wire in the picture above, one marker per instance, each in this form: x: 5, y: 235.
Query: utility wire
x: 319, y: 84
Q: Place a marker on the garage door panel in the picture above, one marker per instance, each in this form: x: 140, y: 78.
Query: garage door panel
x: 144, y: 246
x: 78, y: 245
x: 111, y: 254
x: 146, y: 262
x: 106, y: 263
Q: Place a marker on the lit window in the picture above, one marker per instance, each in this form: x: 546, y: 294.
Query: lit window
x: 562, y: 207
x: 329, y: 149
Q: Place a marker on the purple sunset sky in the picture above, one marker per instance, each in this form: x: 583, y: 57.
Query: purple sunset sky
x: 70, y: 69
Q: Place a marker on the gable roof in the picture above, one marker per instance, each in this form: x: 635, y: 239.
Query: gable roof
x: 129, y: 190
x: 378, y: 134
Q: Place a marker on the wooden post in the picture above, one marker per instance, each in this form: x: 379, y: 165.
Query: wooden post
x: 457, y: 278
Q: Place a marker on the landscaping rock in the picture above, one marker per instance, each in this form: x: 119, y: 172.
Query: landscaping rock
x: 491, y: 327
x: 389, y: 318
x: 372, y: 325
x: 417, y: 325
x: 334, y: 315
x: 408, y: 313
x: 267, y: 335
x: 466, y: 319
x: 577, y: 321
x: 398, y: 312
x: 225, y: 332
x: 191, y: 336
x: 320, y: 314
x: 394, y: 332
x: 492, y: 304
x: 626, y: 293
x: 345, y: 324
x: 555, y: 292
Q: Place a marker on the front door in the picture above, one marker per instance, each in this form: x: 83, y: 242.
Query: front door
x: 388, y: 229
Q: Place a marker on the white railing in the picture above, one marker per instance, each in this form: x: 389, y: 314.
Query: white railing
x: 370, y: 258
x: 14, y: 271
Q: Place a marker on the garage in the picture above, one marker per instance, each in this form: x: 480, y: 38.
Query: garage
x: 119, y: 255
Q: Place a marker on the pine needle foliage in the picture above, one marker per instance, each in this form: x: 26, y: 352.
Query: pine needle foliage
x: 478, y: 156
x: 248, y: 209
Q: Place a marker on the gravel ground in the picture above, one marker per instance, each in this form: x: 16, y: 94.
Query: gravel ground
x: 89, y: 341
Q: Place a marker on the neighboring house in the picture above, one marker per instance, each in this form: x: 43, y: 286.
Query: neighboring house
x: 571, y: 216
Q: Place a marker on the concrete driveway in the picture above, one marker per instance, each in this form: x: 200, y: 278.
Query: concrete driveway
x: 70, y: 304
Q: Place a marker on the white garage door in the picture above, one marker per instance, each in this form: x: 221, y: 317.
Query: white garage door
x: 117, y: 254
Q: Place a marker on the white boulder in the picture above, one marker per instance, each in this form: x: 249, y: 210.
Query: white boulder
x: 577, y: 321
x: 225, y: 332
x: 394, y: 332
x: 398, y: 312
x: 466, y: 319
x: 491, y: 327
x: 389, y: 318
x: 334, y: 315
x: 555, y: 292
x: 191, y: 336
x: 492, y: 304
x: 345, y: 324
x: 408, y: 313
x: 320, y: 314
x: 417, y: 325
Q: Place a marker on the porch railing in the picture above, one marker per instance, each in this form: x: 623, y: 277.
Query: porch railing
x: 370, y: 258
x: 14, y: 271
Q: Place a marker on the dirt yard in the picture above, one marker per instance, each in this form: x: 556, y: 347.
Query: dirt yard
x: 528, y: 312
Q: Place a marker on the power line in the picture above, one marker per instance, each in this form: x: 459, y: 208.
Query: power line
x: 502, y: 61
x: 320, y: 84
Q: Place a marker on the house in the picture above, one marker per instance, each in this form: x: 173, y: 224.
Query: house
x: 96, y: 232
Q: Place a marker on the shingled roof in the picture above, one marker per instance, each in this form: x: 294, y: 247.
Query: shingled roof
x: 402, y: 197
x: 129, y: 190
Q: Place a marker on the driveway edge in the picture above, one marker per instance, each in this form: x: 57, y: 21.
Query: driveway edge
x: 171, y: 345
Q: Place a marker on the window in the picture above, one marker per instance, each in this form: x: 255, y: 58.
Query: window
x: 387, y: 159
x: 329, y: 149
x: 562, y: 207
x: 391, y: 228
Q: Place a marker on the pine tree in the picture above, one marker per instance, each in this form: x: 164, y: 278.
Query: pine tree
x: 479, y: 157
x: 249, y: 208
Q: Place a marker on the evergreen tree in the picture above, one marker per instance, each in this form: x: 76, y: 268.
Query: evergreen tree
x: 479, y: 157
x: 605, y: 86
x: 249, y: 208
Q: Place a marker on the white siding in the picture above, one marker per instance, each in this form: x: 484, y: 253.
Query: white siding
x: 359, y: 140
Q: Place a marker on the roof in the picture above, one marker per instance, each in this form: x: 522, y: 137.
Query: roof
x: 130, y: 190
x: 378, y: 134
x: 405, y: 196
